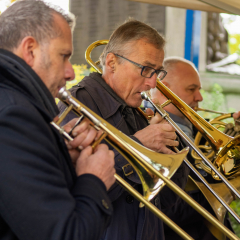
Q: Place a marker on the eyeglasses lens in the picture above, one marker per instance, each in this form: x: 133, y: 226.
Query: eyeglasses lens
x: 161, y: 75
x: 147, y: 71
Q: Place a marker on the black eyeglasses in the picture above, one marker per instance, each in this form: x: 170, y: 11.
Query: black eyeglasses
x: 147, y: 72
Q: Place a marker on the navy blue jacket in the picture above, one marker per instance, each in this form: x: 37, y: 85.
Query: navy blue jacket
x: 41, y: 198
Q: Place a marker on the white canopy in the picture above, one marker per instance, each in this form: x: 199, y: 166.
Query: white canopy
x: 227, y: 6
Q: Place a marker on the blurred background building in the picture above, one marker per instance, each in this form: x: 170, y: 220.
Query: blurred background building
x: 196, y: 35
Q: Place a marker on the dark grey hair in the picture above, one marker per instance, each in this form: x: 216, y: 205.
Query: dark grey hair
x: 30, y: 18
x: 125, y: 35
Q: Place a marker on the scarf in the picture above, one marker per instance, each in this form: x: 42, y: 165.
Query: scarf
x: 17, y: 74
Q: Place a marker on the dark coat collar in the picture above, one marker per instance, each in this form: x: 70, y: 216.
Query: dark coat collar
x: 102, y: 94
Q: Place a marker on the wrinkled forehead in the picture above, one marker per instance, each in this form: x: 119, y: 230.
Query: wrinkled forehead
x: 146, y: 54
x: 135, y: 46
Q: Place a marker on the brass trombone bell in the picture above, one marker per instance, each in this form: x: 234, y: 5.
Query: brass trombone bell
x: 166, y: 164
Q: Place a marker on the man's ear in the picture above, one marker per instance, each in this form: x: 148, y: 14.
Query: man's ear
x: 110, y: 63
x: 27, y: 50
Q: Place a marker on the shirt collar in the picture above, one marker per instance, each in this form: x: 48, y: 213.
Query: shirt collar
x: 101, y: 81
x: 102, y: 94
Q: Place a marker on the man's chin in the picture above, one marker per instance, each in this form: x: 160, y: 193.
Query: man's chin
x: 135, y: 104
x: 55, y: 95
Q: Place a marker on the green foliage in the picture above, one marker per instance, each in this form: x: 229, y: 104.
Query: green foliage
x: 80, y: 72
x: 236, y: 207
x: 230, y: 23
x: 213, y: 100
x: 234, y: 43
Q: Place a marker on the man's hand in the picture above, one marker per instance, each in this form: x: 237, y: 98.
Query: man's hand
x: 157, y: 137
x: 84, y: 135
x: 157, y: 119
x: 100, y: 163
x: 159, y: 134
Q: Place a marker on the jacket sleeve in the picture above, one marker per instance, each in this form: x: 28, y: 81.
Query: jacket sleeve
x: 36, y: 201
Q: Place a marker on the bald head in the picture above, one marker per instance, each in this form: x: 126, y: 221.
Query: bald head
x: 183, y: 79
x: 178, y: 67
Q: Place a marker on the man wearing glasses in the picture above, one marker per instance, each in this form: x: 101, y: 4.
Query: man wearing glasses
x: 131, y: 62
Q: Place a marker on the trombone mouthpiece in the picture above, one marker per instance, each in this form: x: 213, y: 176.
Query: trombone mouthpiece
x: 63, y: 94
x: 144, y: 96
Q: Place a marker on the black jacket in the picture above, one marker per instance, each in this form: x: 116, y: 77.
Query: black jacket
x: 41, y: 198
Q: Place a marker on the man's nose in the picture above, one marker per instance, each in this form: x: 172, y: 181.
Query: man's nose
x: 69, y: 72
x: 152, y: 81
x: 198, y: 96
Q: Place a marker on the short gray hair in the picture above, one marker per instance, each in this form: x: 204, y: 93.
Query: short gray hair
x: 30, y: 18
x: 126, y: 34
x: 169, y: 63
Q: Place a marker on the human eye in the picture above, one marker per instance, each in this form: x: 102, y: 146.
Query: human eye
x: 147, y: 70
x: 192, y: 89
x: 65, y: 56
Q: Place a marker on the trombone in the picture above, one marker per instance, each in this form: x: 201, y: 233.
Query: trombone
x: 145, y: 161
x: 165, y: 115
